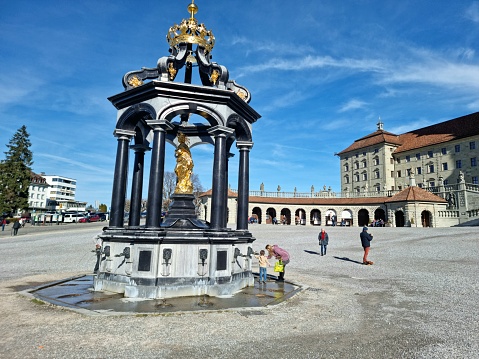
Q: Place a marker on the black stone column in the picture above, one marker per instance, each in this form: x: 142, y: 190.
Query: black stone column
x: 137, y: 185
x: 243, y: 185
x: 157, y: 171
x: 120, y: 179
x: 219, y: 187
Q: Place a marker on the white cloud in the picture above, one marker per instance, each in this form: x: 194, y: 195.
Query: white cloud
x: 352, y: 105
x: 472, y: 12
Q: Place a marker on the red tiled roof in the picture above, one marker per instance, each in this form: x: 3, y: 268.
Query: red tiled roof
x: 414, y: 193
x: 210, y: 193
x: 455, y: 129
x: 375, y: 138
x: 450, y: 130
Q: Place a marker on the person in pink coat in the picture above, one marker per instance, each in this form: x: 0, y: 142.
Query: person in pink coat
x: 280, y: 254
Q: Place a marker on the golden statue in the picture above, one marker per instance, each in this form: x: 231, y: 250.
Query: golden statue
x: 184, y: 165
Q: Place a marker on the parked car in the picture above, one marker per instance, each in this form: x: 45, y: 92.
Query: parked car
x: 92, y: 218
x: 102, y: 216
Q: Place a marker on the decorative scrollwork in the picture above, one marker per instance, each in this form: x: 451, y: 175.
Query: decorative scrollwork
x: 135, y: 81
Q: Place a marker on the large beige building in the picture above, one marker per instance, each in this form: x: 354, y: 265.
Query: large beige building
x: 426, y: 177
x: 433, y: 156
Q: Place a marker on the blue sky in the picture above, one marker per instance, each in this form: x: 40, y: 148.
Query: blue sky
x: 321, y: 73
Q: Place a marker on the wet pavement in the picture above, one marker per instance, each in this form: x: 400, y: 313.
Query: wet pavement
x: 77, y: 294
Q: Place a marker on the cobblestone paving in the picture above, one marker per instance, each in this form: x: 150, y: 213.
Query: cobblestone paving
x: 418, y: 300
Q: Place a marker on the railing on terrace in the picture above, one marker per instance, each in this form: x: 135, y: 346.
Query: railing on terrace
x: 330, y: 194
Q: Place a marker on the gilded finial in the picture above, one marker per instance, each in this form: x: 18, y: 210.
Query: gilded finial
x: 192, y: 9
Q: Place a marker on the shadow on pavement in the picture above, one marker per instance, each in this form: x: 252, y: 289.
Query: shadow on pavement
x: 347, y: 260
x: 312, y: 252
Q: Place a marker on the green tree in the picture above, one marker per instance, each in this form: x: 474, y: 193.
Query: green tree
x: 103, y: 208
x: 15, y: 173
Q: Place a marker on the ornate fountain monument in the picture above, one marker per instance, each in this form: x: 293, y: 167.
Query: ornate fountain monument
x: 180, y: 255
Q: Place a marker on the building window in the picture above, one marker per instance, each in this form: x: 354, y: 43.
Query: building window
x: 376, y: 174
x: 429, y: 154
x: 458, y: 164
x: 365, y: 176
x: 444, y: 166
x: 418, y: 156
x: 364, y: 164
x: 408, y: 158
x: 398, y: 160
x: 376, y: 161
x: 364, y: 153
x: 430, y: 169
x: 457, y: 148
x: 391, y: 160
x: 419, y: 185
x: 474, y: 180
x: 378, y: 188
x: 356, y: 165
x: 346, y: 158
x: 357, y: 155
x: 392, y: 174
x: 346, y: 179
x: 346, y: 167
x: 432, y: 184
x: 399, y: 173
x: 376, y: 150
x: 446, y: 182
x: 473, y: 162
x: 472, y: 145
x: 356, y: 178
x: 408, y: 171
x: 443, y: 150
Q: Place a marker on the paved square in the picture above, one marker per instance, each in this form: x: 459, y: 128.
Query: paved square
x: 419, y: 300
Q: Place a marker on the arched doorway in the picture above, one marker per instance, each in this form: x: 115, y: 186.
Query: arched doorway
x: 285, y: 216
x: 399, y: 217
x: 257, y: 215
x: 300, y: 216
x: 271, y: 216
x: 346, y: 218
x: 426, y: 218
x: 331, y: 217
x: 379, y: 217
x: 315, y: 217
x: 363, y: 217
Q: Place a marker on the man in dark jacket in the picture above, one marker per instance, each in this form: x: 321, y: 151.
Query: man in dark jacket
x: 16, y: 226
x: 366, y: 238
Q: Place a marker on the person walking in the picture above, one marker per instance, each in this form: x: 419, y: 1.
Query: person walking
x: 366, y: 238
x: 323, y: 241
x: 15, y: 227
x: 280, y: 254
x: 4, y: 223
x: 263, y: 265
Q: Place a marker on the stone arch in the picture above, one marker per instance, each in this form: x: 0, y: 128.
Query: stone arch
x: 363, y: 217
x: 257, y: 214
x: 300, y: 216
x: 379, y: 213
x: 139, y: 112
x: 270, y: 214
x: 242, y: 130
x: 169, y: 112
x: 285, y: 216
x: 331, y: 215
x: 399, y: 218
x: 426, y: 218
x: 346, y: 217
x: 315, y: 217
